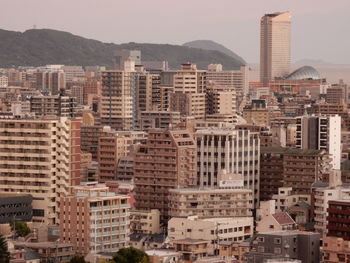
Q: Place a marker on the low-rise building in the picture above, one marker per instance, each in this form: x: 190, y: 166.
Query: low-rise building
x: 286, y: 199
x: 288, y: 245
x: 145, y: 222
x: 214, y: 230
x: 229, y: 199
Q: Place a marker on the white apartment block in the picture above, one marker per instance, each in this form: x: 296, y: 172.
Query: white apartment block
x: 4, y: 81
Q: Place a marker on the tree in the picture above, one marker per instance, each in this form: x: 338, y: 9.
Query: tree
x: 4, y: 254
x: 77, y: 259
x: 131, y: 255
x: 21, y: 228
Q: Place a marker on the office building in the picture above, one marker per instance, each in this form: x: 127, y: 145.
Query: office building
x: 321, y: 133
x: 275, y: 46
x: 40, y: 158
x: 167, y: 160
x: 236, y: 151
x: 94, y: 219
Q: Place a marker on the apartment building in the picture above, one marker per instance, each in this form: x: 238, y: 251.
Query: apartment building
x: 321, y: 132
x: 236, y: 151
x: 212, y: 230
x: 40, y: 158
x: 296, y: 168
x: 166, y: 160
x: 56, y: 105
x: 338, y: 219
x: 237, y: 80
x: 50, y: 81
x: 113, y: 147
x: 118, y: 99
x: 188, y: 104
x: 229, y: 200
x: 89, y: 138
x: 322, y: 195
x: 145, y: 222
x: 257, y: 113
x: 94, y: 219
x: 158, y: 120
x: 286, y: 199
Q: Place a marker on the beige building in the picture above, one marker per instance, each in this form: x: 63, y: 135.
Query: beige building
x: 117, y: 99
x: 145, y: 222
x: 236, y: 80
x: 94, y: 219
x: 335, y: 249
x: 286, y: 199
x: 229, y: 200
x: 268, y: 220
x: 40, y: 158
x: 188, y: 104
x: 214, y: 230
x: 275, y: 46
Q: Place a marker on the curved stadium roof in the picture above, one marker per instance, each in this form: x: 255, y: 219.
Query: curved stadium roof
x: 305, y: 72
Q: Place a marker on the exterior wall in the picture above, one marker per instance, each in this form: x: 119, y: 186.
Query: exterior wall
x: 15, y: 207
x: 338, y: 219
x: 158, y: 119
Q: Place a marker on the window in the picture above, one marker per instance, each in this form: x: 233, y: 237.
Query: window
x: 261, y: 249
x: 277, y: 240
x: 261, y: 239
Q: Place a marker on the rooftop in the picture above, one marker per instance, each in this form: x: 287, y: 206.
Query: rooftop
x: 289, y: 150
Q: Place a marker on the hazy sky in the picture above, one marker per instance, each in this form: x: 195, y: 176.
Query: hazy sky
x: 320, y: 28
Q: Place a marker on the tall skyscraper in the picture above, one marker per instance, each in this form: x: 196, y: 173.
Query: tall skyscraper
x: 275, y: 46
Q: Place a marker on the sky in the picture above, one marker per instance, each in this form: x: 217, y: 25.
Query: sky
x: 320, y: 28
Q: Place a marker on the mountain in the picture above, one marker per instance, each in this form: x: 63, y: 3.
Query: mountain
x: 38, y: 47
x: 211, y: 45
